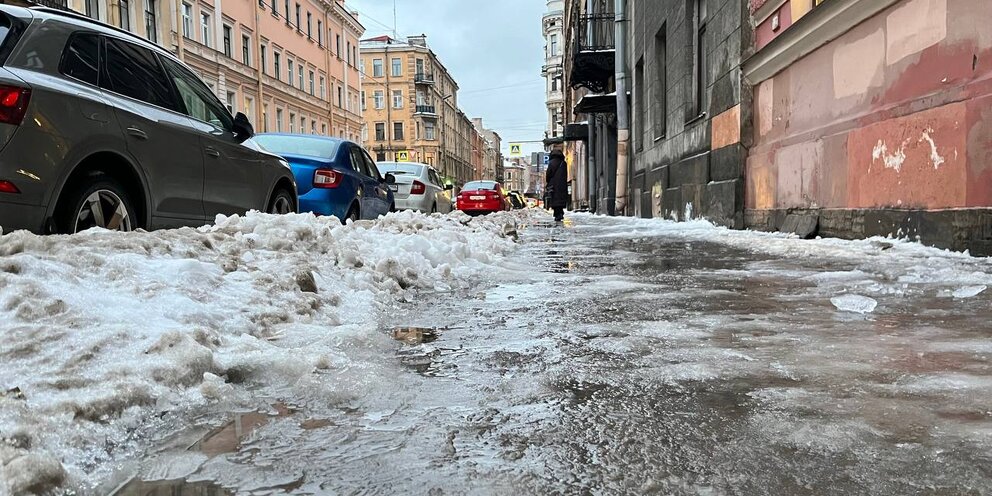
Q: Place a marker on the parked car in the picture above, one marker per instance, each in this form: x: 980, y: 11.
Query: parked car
x: 517, y: 200
x: 483, y: 197
x: 334, y: 176
x: 100, y: 128
x: 418, y: 187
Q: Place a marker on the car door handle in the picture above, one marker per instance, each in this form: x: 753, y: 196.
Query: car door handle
x: 212, y: 152
x: 137, y: 133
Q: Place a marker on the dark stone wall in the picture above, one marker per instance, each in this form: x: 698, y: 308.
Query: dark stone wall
x: 958, y: 230
x: 674, y: 165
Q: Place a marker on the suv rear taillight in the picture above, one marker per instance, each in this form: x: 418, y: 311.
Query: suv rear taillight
x: 418, y: 188
x: 327, y: 178
x: 13, y: 104
x: 8, y: 187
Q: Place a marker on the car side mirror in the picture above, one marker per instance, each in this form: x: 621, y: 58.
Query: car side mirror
x: 242, y: 128
x: 390, y: 178
x: 449, y: 187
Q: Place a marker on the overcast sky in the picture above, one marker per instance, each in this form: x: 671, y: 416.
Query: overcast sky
x: 494, y: 50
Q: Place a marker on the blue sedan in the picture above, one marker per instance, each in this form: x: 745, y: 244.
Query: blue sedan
x: 333, y: 176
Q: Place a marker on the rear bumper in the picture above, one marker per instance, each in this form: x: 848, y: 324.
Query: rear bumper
x: 15, y: 216
x: 418, y: 203
x: 325, y: 202
x: 483, y: 206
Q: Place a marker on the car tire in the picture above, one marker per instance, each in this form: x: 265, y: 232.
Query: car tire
x: 88, y: 204
x: 353, y: 215
x: 282, y: 203
x: 434, y: 208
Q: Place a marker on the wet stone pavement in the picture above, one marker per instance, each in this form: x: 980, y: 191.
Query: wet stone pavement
x: 607, y: 363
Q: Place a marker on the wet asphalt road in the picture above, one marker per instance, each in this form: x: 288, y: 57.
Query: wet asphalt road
x: 633, y: 364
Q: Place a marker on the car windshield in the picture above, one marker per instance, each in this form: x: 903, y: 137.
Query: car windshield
x: 298, y: 145
x: 396, y: 168
x: 480, y: 185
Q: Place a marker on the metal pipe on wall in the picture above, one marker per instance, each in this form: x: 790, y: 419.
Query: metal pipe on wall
x: 623, y: 112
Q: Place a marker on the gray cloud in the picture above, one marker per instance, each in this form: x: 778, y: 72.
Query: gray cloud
x: 495, y: 51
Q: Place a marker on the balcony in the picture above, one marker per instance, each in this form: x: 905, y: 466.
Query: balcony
x: 423, y: 78
x: 594, y: 55
x: 426, y: 110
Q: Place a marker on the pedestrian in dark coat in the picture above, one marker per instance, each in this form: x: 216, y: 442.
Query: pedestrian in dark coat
x: 556, y: 189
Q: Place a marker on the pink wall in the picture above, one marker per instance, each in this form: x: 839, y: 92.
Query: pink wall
x: 764, y: 33
x: 895, y: 113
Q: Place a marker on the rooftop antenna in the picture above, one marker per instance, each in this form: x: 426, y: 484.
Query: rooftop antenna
x: 394, y: 20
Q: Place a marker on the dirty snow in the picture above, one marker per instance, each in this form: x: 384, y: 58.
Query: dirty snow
x: 106, y: 336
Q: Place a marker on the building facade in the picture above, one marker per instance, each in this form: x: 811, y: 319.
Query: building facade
x: 492, y: 155
x: 554, y: 42
x: 872, y: 118
x: 289, y: 66
x: 411, y: 107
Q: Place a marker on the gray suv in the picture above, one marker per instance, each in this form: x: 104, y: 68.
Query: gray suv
x: 100, y: 128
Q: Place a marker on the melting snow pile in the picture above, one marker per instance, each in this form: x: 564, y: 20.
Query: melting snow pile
x: 103, y: 333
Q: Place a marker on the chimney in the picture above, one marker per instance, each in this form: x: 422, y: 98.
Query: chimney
x: 420, y: 41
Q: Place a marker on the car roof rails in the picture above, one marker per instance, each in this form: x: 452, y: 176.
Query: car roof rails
x: 85, y: 18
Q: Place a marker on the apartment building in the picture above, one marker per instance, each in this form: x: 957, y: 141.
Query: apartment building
x: 289, y: 65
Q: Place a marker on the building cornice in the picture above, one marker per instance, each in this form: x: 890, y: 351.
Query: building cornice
x: 822, y: 25
x: 765, y: 11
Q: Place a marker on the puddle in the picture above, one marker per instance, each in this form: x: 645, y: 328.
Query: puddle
x: 415, y: 335
x: 171, y: 488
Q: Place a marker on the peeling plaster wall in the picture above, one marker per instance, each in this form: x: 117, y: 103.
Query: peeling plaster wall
x: 896, y: 113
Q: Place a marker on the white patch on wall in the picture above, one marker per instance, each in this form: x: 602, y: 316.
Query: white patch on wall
x: 897, y: 158
x: 914, y: 27
x: 859, y: 65
x: 766, y: 106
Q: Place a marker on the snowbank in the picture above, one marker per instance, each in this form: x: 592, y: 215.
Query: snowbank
x: 105, y: 335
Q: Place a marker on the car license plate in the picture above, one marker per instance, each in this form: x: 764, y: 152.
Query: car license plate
x: 477, y: 198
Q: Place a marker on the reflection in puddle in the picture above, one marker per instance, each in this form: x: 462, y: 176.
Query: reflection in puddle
x: 171, y: 488
x: 415, y: 335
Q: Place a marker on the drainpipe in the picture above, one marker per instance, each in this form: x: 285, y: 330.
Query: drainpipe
x: 623, y: 113
x: 591, y: 163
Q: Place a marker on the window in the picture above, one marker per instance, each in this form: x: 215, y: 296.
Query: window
x: 278, y: 120
x: 265, y: 117
x: 151, y: 27
x: 377, y: 68
x: 364, y: 104
x: 380, y: 131
x: 303, y: 125
x: 420, y: 67
x: 379, y: 98
x: 554, y: 45
x: 286, y: 6
x: 299, y: 74
x: 365, y: 133
x: 380, y: 156
x: 200, y: 102
x: 187, y: 20
x: 309, y: 25
x: 249, y: 109
x: 92, y: 9
x: 292, y: 122
x: 205, y: 28
x: 289, y: 72
x: 227, y: 40
x: 338, y: 42
x: 397, y: 99
x: 311, y: 82
x: 397, y: 67
x: 323, y: 88
x: 554, y: 83
x: 700, y: 62
x: 429, y: 131
x: 398, y: 131
x: 354, y: 55
x: 275, y: 64
x: 340, y: 97
x: 320, y: 33
x: 230, y: 101
x: 246, y: 50
x: 313, y: 127
x: 124, y: 9
x: 297, y: 17
x: 421, y: 100
x: 135, y: 72
x: 660, y: 101
x: 323, y: 129
x: 361, y: 68
x: 275, y: 10
x: 82, y: 60
x: 261, y: 54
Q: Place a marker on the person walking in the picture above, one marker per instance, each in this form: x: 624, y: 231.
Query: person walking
x: 557, y: 183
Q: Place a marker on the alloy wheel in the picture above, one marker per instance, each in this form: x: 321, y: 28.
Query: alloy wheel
x: 281, y: 206
x: 105, y: 209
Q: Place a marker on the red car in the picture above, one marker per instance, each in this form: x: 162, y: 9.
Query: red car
x: 483, y: 197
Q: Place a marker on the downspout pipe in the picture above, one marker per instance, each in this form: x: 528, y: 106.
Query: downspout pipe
x: 623, y: 111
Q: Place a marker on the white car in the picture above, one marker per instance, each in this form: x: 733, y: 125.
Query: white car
x: 418, y: 187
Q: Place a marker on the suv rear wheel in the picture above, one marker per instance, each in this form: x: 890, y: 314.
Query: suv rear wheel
x: 99, y: 201
x: 282, y: 203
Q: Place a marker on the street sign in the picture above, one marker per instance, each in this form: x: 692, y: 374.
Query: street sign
x: 402, y: 156
x: 516, y: 150
x: 547, y: 159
